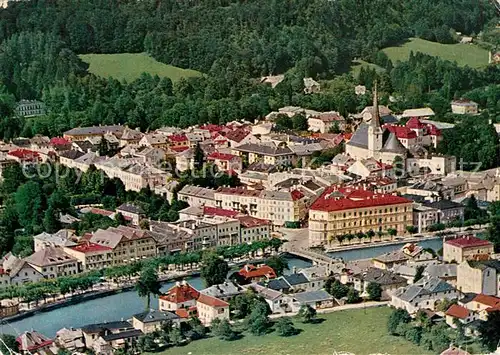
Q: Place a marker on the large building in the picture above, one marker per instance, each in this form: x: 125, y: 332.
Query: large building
x: 466, y: 248
x: 53, y: 262
x: 479, y: 277
x: 349, y: 210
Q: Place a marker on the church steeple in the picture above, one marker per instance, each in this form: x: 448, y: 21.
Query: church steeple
x: 376, y: 115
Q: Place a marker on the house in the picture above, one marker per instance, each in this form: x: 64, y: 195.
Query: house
x: 311, y: 86
x: 211, y: 308
x: 344, y: 209
x: 459, y: 313
x: 253, y: 229
x: 483, y: 305
x: 464, y: 107
x: 425, y: 112
x: 479, y: 277
x: 131, y: 211
x: 53, y: 262
x: 16, y: 271
x: 268, y: 153
x: 426, y: 293
x: 197, y: 196
x: 152, y: 320
x: 82, y: 133
x: 121, y: 340
x: 453, y: 350
x: 423, y: 217
x: 295, y: 282
x: 226, y: 162
x: 184, y: 160
x: 33, y: 342
x: 63, y: 238
x: 224, y: 291
x: 278, y: 302
x: 92, y: 332
x: 466, y: 248
x: 448, y: 211
x: 251, y: 273
x: 182, y: 295
x: 240, y: 136
x: 388, y: 281
x: 130, y: 137
x: 325, y: 122
x: 316, y: 299
x: 8, y: 308
x: 371, y: 168
x: 446, y: 272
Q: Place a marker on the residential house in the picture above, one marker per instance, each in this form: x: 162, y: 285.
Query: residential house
x: 388, y: 281
x: 457, y: 313
x: 278, y: 302
x: 251, y: 273
x: 62, y: 238
x: 117, y: 335
x: 479, y: 277
x: 423, y: 217
x: 82, y: 133
x: 155, y: 140
x: 226, y: 162
x: 53, y: 262
x: 446, y: 272
x: 483, y: 305
x: 466, y: 248
x: 448, y: 211
x: 240, y: 136
x: 253, y: 229
x: 371, y: 168
x: 325, y: 122
x: 464, y: 107
x: 30, y: 108
x: 425, y: 112
x: 152, y: 320
x: 130, y: 137
x: 16, y: 271
x: 316, y: 299
x: 296, y: 282
x: 70, y: 339
x: 424, y: 294
x: 341, y: 210
x: 182, y: 295
x: 224, y: 291
x: 211, y: 308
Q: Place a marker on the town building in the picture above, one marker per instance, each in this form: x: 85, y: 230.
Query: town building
x: 279, y: 303
x: 224, y: 291
x: 62, y: 238
x: 197, y: 196
x: 251, y: 273
x: 132, y: 212
x: 16, y: 271
x: 341, y: 210
x: 479, y: 277
x: 182, y: 295
x: 82, y: 133
x: 30, y: 108
x: 211, y: 308
x: 70, y: 339
x: 268, y: 153
x: 226, y: 162
x: 113, y: 334
x: 8, y: 308
x: 32, y: 342
x: 423, y: 217
x: 466, y: 248
x: 447, y: 211
x: 325, y: 122
x: 389, y: 282
x: 316, y: 299
x: 53, y: 262
x: 91, y: 256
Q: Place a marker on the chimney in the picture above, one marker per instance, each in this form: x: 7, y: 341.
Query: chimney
x: 294, y: 269
x: 184, y: 283
x: 177, y: 283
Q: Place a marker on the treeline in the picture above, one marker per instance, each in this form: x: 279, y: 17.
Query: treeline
x: 258, y: 37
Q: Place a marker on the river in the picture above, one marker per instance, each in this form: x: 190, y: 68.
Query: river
x: 125, y: 304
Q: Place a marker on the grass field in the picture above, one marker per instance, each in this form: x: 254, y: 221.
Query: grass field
x: 129, y: 66
x: 345, y: 331
x: 359, y: 63
x: 463, y: 54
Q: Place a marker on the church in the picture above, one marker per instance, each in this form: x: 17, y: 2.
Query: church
x: 371, y: 141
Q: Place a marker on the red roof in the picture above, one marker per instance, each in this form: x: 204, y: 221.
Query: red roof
x: 251, y: 271
x: 212, y: 301
x: 212, y: 127
x: 402, y: 132
x: 25, y: 154
x: 215, y: 211
x: 415, y: 123
x: 179, y: 149
x: 487, y: 300
x: 221, y: 156
x: 180, y: 294
x: 186, y: 312
x: 468, y: 242
x: 88, y: 247
x: 2, y: 271
x: 59, y: 141
x: 296, y: 195
x: 178, y: 138
x: 433, y: 130
x: 337, y: 198
x: 237, y: 135
x: 249, y: 221
x: 100, y: 211
x: 457, y: 311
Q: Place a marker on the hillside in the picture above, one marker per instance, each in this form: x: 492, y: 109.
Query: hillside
x: 129, y: 66
x: 463, y: 54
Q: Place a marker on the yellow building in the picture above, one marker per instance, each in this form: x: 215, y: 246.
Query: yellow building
x: 152, y: 320
x: 211, y: 308
x: 466, y: 248
x: 91, y: 256
x: 350, y: 210
x: 479, y: 277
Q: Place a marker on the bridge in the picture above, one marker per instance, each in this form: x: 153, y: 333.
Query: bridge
x: 319, y: 259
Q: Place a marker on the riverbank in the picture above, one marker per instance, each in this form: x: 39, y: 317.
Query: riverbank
x: 375, y: 244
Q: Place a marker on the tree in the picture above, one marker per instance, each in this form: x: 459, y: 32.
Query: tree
x: 411, y: 229
x: 175, y: 336
x: 198, y: 157
x: 258, y: 322
x: 214, y: 269
x: 490, y: 336
x: 307, y: 313
x: 392, y: 232
x: 419, y: 273
x: 223, y: 330
x: 285, y: 328
x: 374, y: 291
x: 338, y: 290
x: 353, y: 295
x: 397, y: 317
x: 299, y: 122
x: 197, y: 329
x: 146, y: 343
x: 278, y: 264
x: 148, y: 284
x: 10, y: 343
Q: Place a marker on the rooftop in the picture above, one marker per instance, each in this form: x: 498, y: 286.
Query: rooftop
x: 153, y: 315
x: 49, y: 256
x: 468, y: 242
x: 211, y: 301
x: 457, y: 311
x: 252, y: 271
x: 180, y: 293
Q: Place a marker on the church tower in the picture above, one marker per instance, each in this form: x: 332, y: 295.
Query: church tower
x: 374, y: 130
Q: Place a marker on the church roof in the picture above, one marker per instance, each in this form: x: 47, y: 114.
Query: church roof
x: 360, y: 137
x: 393, y: 145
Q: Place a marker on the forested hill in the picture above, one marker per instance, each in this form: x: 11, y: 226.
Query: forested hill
x: 256, y: 37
